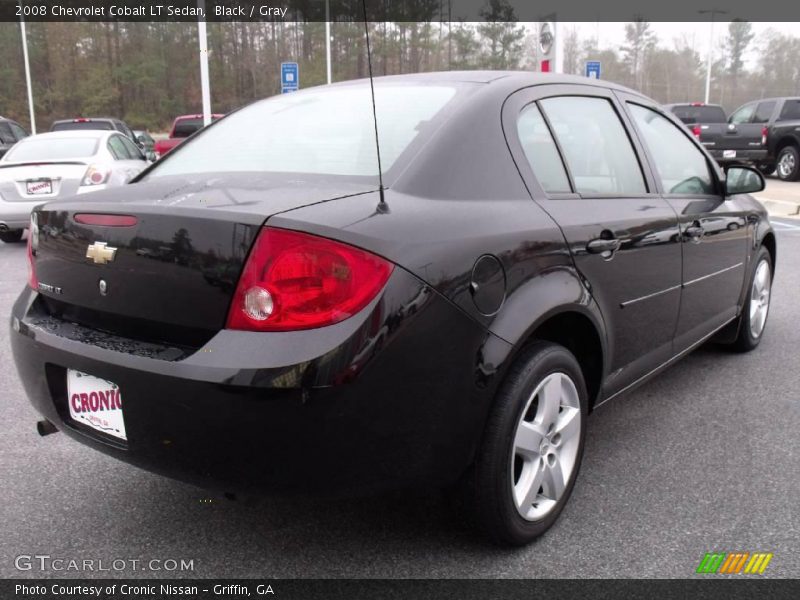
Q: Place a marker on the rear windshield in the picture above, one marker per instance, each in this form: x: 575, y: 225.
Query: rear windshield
x: 93, y: 125
x: 325, y: 131
x: 186, y: 127
x: 52, y: 149
x: 700, y: 114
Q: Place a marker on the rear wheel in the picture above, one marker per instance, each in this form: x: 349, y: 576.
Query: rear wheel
x: 532, y: 447
x: 788, y: 166
x: 11, y: 236
x: 756, y: 308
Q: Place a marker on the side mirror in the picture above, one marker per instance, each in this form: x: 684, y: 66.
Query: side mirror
x: 151, y: 156
x: 743, y: 180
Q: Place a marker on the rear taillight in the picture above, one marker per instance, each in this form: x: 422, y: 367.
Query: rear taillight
x: 763, y: 136
x: 33, y: 244
x: 95, y: 175
x: 294, y: 280
x: 696, y: 131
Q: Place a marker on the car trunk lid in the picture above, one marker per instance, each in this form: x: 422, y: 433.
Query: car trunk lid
x: 41, y: 181
x: 158, y: 261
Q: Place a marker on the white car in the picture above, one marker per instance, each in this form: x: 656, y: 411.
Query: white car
x: 57, y: 165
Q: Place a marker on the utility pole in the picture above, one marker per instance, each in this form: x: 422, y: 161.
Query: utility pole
x: 713, y: 12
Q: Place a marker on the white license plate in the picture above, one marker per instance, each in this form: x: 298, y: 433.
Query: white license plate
x: 41, y: 186
x: 95, y: 402
x: 729, y: 154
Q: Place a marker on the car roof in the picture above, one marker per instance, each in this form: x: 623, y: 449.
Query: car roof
x: 74, y: 133
x: 87, y: 119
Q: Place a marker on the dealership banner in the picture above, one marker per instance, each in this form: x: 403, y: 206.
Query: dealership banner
x: 385, y: 10
x: 405, y: 589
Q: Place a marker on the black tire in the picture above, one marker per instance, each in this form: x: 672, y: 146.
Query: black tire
x: 766, y: 168
x: 746, y: 340
x: 791, y: 170
x: 487, y: 488
x: 12, y: 236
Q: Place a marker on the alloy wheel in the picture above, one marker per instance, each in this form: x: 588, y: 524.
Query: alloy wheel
x: 786, y: 165
x: 759, y: 298
x: 546, y: 446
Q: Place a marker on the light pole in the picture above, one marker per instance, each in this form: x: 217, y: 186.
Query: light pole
x: 713, y: 12
x: 27, y: 73
x: 204, y: 83
x: 328, y: 38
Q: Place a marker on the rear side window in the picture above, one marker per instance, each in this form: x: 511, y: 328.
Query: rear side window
x: 764, y: 112
x: 699, y: 114
x: 680, y: 165
x: 596, y: 148
x: 117, y: 148
x: 52, y: 149
x: 131, y: 149
x: 541, y: 150
x: 791, y: 110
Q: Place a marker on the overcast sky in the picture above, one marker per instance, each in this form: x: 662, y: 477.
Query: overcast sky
x: 697, y: 34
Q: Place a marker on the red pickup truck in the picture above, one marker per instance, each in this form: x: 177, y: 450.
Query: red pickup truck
x: 182, y: 127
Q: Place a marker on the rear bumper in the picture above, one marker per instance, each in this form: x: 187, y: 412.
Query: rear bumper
x: 392, y: 397
x: 16, y: 215
x: 742, y: 156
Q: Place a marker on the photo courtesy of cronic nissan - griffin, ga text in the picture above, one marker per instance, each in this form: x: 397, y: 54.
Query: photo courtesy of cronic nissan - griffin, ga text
x: 264, y: 310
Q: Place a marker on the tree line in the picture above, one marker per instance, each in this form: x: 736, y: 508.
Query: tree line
x: 146, y: 73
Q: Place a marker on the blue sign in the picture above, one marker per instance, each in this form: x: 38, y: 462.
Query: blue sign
x: 593, y: 69
x: 290, y: 77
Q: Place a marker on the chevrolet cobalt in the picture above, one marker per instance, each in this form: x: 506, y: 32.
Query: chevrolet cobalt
x: 266, y: 309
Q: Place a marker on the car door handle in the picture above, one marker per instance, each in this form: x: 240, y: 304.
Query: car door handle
x: 603, y: 246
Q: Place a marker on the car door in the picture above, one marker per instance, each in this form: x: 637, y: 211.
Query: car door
x: 573, y: 149
x: 714, y: 229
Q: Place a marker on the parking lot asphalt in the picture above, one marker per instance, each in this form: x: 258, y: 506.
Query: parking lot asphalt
x: 706, y: 457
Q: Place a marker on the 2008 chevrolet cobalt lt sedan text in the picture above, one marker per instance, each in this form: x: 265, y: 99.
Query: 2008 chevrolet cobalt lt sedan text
x: 258, y: 311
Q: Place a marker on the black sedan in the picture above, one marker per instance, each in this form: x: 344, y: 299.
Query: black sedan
x: 265, y: 310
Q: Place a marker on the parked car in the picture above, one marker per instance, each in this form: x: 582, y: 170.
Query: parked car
x: 728, y: 142
x: 101, y: 123
x: 448, y: 323
x: 778, y: 119
x: 53, y: 166
x: 10, y: 133
x: 144, y: 139
x: 183, y: 127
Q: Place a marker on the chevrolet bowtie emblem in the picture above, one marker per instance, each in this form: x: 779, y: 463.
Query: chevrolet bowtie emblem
x: 100, y: 253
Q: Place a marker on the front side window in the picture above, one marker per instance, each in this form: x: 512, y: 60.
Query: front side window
x: 326, y: 131
x: 680, y: 165
x: 541, y: 150
x: 18, y: 131
x: 744, y: 114
x: 596, y: 148
x: 6, y: 136
x: 764, y: 112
